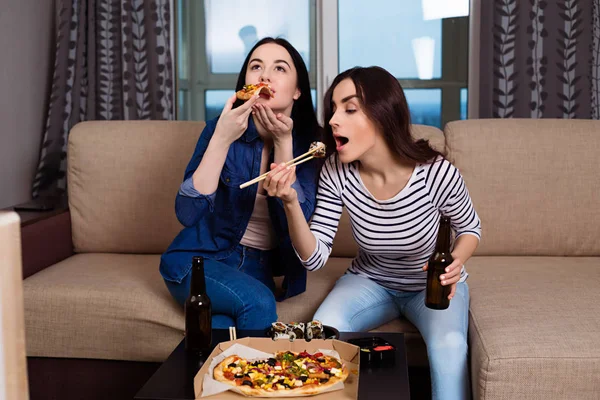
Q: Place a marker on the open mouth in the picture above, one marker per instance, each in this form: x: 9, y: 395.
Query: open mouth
x: 340, y: 141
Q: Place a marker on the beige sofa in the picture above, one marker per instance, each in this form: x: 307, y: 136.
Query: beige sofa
x: 535, y: 279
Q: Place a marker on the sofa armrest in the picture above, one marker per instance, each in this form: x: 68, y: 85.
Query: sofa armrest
x: 45, y: 241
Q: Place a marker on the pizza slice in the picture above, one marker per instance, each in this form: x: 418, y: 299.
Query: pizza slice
x: 285, y: 375
x: 248, y: 91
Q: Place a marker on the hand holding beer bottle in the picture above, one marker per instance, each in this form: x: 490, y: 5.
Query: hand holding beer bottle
x: 443, y: 271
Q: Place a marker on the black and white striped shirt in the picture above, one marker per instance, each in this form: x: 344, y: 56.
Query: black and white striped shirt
x: 397, y: 236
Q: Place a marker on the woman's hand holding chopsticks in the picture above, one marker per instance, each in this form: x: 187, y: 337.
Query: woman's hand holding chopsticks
x: 278, y: 182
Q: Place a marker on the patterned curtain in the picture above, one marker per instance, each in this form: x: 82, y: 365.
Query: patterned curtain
x: 112, y: 62
x: 540, y: 59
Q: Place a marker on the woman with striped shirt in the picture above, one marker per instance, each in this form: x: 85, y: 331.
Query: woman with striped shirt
x: 395, y: 189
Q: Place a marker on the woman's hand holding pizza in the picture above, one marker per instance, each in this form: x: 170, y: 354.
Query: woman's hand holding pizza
x: 233, y: 122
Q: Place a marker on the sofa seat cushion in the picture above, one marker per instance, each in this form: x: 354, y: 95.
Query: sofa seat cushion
x: 117, y: 307
x: 534, y: 327
x: 104, y: 306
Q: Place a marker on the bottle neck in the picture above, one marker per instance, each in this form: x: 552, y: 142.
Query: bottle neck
x: 443, y: 239
x: 198, y: 285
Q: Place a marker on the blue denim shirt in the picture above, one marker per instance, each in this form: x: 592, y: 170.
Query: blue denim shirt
x: 214, y: 224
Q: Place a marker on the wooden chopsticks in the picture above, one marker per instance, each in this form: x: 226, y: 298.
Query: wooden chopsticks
x: 310, y: 154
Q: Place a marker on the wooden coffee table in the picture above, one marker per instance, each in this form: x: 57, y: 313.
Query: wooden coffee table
x: 174, y: 380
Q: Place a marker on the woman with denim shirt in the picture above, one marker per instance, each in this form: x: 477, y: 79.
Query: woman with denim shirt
x: 242, y: 233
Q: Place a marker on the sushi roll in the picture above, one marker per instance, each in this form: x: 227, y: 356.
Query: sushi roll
x: 314, y: 329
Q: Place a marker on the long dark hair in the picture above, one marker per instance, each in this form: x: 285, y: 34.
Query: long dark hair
x: 306, y: 124
x: 384, y: 103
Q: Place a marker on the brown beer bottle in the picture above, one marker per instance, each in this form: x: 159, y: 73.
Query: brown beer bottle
x: 198, y: 313
x: 436, y: 295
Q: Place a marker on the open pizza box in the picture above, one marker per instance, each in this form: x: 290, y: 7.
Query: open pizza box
x: 347, y: 352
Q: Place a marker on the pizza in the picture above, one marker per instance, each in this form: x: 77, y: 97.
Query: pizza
x: 286, y: 374
x: 250, y: 90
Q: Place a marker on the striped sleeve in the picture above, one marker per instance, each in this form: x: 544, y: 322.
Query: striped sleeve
x: 328, y: 210
x: 450, y: 195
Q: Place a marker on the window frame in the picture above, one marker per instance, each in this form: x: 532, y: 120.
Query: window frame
x: 201, y: 78
x: 458, y: 72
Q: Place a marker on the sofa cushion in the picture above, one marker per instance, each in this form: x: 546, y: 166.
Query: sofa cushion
x: 104, y: 306
x: 123, y: 177
x: 116, y: 306
x: 534, y: 183
x: 534, y: 327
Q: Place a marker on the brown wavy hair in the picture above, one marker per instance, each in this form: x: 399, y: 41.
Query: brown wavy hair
x: 384, y: 103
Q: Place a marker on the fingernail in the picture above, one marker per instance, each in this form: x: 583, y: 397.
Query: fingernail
x: 444, y: 283
x: 442, y: 277
x: 447, y: 270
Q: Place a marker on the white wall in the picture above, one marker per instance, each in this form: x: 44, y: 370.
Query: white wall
x: 26, y: 37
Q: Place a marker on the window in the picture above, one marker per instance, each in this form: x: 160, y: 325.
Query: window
x: 424, y: 43
x: 214, y: 37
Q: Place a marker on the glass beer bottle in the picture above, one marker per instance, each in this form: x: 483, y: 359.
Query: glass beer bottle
x: 198, y: 313
x: 436, y: 296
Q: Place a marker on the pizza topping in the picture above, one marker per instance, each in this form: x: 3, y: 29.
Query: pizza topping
x: 251, y: 87
x: 286, y: 370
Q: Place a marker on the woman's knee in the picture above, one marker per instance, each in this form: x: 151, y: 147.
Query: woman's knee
x: 337, y: 321
x: 265, y: 302
x: 448, y: 342
x: 261, y: 302
x: 334, y: 318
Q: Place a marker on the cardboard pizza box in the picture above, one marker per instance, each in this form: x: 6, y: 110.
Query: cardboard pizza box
x: 348, y: 353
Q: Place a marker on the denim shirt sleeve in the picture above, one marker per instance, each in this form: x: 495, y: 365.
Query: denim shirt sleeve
x: 190, y: 205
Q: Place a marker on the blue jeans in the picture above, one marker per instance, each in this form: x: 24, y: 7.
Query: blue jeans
x: 358, y: 304
x: 240, y: 288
